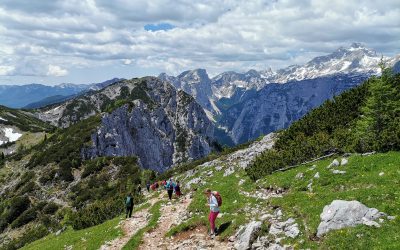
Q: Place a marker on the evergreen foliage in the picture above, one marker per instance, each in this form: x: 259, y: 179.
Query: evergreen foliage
x: 362, y: 119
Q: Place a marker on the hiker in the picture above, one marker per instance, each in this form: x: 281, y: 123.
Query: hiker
x: 178, y: 189
x: 129, y: 205
x: 139, y: 189
x: 148, y: 186
x: 212, y: 202
x: 170, y: 188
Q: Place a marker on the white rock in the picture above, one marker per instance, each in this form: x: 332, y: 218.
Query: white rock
x: 340, y: 214
x: 335, y: 163
x: 335, y: 171
x: 381, y: 173
x: 247, y: 234
x: 229, y: 171
x: 299, y: 175
x: 316, y: 175
x: 344, y: 161
x: 309, y: 187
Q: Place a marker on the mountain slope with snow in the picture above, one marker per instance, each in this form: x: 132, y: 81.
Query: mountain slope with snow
x: 228, y: 96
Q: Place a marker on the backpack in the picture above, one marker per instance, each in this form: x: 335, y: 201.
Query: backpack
x: 170, y: 186
x: 218, y: 197
x: 129, y: 201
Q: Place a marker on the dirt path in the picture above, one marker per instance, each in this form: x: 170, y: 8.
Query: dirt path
x: 129, y: 227
x: 171, y: 214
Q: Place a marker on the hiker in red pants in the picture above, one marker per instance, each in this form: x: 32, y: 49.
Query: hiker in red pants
x: 214, y: 210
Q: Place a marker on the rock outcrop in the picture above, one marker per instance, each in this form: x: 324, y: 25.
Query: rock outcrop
x: 247, y: 234
x: 340, y: 214
x: 163, y: 128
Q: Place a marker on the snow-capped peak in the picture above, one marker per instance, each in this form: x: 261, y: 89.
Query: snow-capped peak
x: 354, y: 59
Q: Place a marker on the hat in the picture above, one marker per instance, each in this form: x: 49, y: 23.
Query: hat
x: 207, y: 191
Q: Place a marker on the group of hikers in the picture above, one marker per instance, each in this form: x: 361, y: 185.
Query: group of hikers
x: 214, y: 200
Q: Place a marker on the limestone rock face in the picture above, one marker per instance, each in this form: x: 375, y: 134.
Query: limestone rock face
x: 154, y: 122
x: 340, y: 214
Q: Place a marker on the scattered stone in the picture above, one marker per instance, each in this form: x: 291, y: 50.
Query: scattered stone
x: 292, y: 231
x: 229, y: 171
x: 340, y: 214
x: 218, y: 168
x: 309, y: 187
x: 278, y: 213
x: 334, y: 163
x: 335, y: 171
x: 381, y: 173
x: 209, y: 173
x: 344, y: 161
x: 369, y: 153
x: 312, y: 167
x: 275, y: 247
x: 299, y: 175
x: 247, y: 234
x: 193, y: 181
x: 241, y: 182
x: 316, y: 175
x: 265, y: 217
x: 190, y: 173
x: 391, y: 217
x: 370, y: 223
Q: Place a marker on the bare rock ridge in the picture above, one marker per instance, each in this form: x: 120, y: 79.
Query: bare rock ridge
x: 147, y: 118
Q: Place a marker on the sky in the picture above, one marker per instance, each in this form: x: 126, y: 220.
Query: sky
x: 86, y: 41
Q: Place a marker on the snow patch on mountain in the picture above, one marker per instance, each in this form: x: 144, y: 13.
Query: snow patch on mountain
x: 9, y: 135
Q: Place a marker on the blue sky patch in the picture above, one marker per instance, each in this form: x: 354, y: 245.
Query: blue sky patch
x: 159, y: 26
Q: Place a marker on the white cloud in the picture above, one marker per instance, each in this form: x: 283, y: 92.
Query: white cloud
x: 217, y: 35
x: 55, y: 70
x: 6, y: 70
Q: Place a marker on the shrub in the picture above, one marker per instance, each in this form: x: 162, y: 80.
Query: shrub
x: 96, y: 213
x: 26, y: 217
x: 50, y: 208
x: 17, y: 206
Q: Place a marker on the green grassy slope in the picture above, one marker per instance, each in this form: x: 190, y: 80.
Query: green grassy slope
x: 362, y: 182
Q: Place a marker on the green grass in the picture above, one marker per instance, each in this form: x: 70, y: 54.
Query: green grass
x: 361, y: 182
x: 89, y: 238
x: 136, y: 239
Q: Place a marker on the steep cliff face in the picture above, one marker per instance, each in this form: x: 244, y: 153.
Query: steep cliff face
x: 144, y: 117
x: 276, y: 106
x: 281, y: 96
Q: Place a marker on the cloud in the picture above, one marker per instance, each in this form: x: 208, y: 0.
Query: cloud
x: 217, y: 35
x: 55, y: 70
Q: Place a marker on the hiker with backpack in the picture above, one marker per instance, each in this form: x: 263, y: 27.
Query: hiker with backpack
x: 129, y: 205
x: 148, y: 186
x: 170, y: 188
x: 214, y: 201
x: 178, y: 189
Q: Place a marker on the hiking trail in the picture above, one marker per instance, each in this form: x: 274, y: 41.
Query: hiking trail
x: 171, y: 215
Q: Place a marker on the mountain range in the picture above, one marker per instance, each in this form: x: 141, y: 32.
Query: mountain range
x: 247, y: 105
x: 38, y: 95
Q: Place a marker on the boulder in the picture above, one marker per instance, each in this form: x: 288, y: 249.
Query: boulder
x: 247, y: 234
x: 334, y: 163
x: 316, y: 175
x: 344, y: 161
x: 340, y: 214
